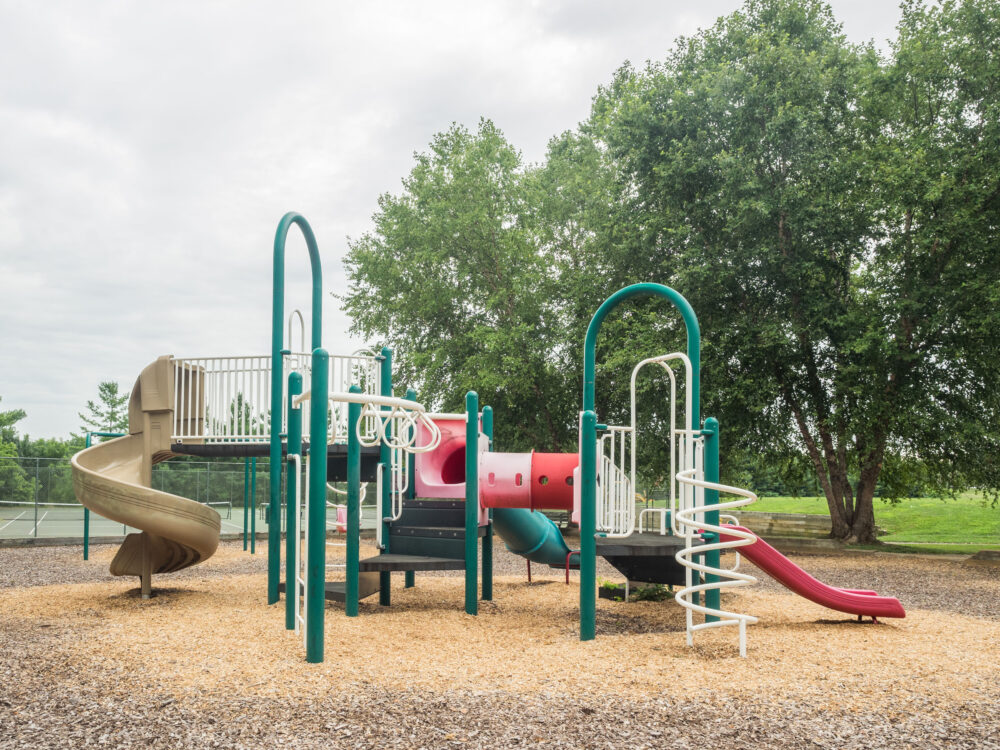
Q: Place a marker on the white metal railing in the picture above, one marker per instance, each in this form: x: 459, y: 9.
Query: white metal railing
x: 301, y: 580
x: 676, y: 435
x: 615, y: 494
x: 398, y: 427
x: 693, y: 523
x: 228, y: 399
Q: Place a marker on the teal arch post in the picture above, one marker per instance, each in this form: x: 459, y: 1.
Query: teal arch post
x: 316, y: 507
x: 353, y: 507
x: 385, y: 502
x: 86, y: 510
x: 291, y: 517
x: 471, y: 501
x: 411, y: 489
x: 488, y: 538
x: 588, y: 438
x: 277, y: 382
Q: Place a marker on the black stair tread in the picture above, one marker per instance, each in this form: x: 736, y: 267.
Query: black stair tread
x: 434, y: 503
x: 334, y: 591
x: 412, y: 530
x: 391, y: 562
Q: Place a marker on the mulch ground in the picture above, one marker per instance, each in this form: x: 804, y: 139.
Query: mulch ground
x: 206, y: 663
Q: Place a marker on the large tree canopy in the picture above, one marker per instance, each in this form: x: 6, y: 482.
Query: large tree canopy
x: 451, y: 280
x: 832, y: 216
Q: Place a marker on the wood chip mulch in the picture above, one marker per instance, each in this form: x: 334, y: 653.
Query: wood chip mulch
x: 206, y: 663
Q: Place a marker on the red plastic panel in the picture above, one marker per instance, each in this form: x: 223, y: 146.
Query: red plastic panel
x: 552, y: 480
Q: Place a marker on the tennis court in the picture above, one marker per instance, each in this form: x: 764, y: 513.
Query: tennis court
x: 66, y: 520
x: 37, y: 498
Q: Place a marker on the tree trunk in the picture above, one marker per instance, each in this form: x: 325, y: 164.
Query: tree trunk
x: 863, y: 527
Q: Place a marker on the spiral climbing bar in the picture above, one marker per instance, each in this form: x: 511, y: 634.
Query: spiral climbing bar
x: 717, y: 578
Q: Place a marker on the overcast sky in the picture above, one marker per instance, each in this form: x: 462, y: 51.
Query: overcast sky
x: 147, y: 151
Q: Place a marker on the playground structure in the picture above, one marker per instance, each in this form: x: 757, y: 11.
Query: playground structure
x: 441, y: 491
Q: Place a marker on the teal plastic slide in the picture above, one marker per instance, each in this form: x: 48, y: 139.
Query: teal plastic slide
x: 533, y: 535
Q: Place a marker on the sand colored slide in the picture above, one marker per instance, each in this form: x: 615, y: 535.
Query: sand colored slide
x: 113, y: 480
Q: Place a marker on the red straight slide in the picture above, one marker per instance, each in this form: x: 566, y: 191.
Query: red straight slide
x: 790, y: 575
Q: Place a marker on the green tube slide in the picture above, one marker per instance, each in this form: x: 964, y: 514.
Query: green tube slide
x: 532, y: 535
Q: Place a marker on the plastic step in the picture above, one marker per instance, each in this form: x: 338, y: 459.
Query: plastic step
x: 432, y: 532
x: 336, y: 591
x: 428, y: 546
x: 397, y: 562
x: 420, y: 515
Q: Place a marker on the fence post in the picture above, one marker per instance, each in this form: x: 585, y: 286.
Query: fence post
x: 36, y: 498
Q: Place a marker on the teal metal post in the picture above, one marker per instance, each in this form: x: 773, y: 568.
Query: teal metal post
x: 353, y: 506
x: 471, y: 500
x: 253, y: 505
x: 277, y: 382
x: 86, y: 517
x: 488, y: 539
x: 291, y: 517
x: 411, y: 490
x: 588, y: 440
x: 86, y: 511
x: 316, y: 508
x: 246, y: 503
x: 588, y: 526
x: 713, y: 597
x: 385, y: 502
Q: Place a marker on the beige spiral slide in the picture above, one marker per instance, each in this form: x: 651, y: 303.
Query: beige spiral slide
x: 113, y: 480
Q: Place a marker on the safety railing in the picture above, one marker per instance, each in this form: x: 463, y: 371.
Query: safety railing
x: 301, y: 579
x: 675, y: 449
x: 695, y: 527
x: 615, y: 494
x: 398, y: 427
x: 227, y: 399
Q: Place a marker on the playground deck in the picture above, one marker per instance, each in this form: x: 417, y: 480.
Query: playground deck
x: 206, y: 661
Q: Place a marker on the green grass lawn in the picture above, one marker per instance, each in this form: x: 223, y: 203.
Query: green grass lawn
x: 964, y: 521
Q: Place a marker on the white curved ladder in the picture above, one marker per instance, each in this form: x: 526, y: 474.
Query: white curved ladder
x: 728, y: 578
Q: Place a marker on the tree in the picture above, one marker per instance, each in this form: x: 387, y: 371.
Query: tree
x: 15, y: 485
x: 451, y: 280
x: 833, y: 221
x: 110, y: 413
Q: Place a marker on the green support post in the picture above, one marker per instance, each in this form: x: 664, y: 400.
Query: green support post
x: 291, y: 517
x: 713, y: 597
x: 385, y: 459
x: 253, y: 506
x: 588, y: 438
x: 409, y: 577
x: 316, y: 508
x: 277, y: 383
x: 488, y: 539
x: 246, y: 503
x: 588, y: 526
x: 86, y: 511
x: 353, y: 506
x: 471, y: 500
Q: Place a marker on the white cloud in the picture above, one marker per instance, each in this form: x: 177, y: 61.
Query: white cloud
x: 147, y: 152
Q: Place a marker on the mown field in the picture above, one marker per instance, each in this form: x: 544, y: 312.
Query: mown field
x: 933, y: 524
